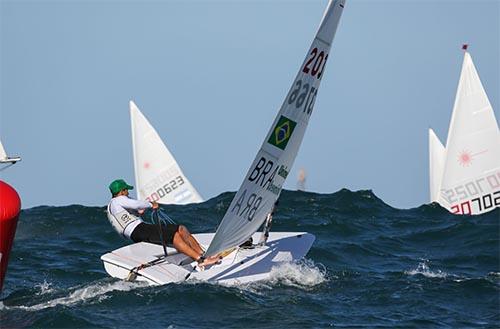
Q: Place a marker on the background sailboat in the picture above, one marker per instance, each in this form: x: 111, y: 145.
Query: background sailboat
x: 158, y: 177
x: 470, y: 179
x: 6, y: 159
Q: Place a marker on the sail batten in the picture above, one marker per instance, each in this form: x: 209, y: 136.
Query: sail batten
x: 264, y: 180
x: 158, y: 177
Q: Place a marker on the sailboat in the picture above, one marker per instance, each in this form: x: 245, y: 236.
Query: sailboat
x: 465, y: 175
x: 254, y: 202
x: 6, y: 159
x: 158, y: 177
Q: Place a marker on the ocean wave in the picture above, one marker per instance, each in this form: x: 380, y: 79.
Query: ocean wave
x: 92, y: 292
x: 370, y: 262
x: 424, y: 269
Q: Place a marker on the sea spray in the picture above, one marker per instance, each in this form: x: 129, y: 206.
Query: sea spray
x: 94, y: 292
x: 423, y: 269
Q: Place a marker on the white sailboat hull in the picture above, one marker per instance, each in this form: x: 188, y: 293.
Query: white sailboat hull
x: 240, y: 266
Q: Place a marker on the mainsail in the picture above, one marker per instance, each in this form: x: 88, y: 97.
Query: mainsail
x: 437, y: 156
x: 264, y: 180
x: 470, y: 182
x: 157, y: 174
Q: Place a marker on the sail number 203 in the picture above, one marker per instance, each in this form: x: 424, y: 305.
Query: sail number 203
x: 316, y: 63
x: 303, y: 95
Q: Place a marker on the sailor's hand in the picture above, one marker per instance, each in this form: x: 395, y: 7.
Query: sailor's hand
x: 155, y: 205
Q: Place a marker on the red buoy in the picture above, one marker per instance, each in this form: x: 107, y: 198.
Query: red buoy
x: 10, y: 206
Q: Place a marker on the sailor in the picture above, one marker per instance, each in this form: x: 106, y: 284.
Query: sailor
x: 124, y: 215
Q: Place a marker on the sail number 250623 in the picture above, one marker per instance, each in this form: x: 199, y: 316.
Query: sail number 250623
x: 166, y: 189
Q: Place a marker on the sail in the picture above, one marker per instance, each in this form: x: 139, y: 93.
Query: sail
x: 437, y: 154
x: 6, y: 159
x: 157, y: 174
x: 3, y: 155
x: 264, y: 180
x: 471, y: 176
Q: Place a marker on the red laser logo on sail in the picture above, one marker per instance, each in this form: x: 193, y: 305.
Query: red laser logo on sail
x: 465, y: 158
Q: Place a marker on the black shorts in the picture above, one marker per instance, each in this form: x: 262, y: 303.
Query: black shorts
x: 151, y: 233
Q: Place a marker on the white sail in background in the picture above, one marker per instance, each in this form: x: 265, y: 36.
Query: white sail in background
x: 157, y: 174
x: 471, y: 177
x: 263, y: 183
x: 6, y: 159
x: 3, y: 155
x: 437, y: 157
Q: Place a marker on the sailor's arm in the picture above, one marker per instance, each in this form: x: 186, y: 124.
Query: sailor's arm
x: 133, y: 204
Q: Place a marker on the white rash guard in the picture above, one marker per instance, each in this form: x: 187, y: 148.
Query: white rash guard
x: 123, y: 214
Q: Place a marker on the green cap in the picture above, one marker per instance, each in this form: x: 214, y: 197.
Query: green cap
x: 118, y: 185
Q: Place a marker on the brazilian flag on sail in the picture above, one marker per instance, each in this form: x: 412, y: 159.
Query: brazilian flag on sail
x: 282, y: 132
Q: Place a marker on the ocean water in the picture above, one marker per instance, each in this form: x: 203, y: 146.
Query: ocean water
x: 371, y: 266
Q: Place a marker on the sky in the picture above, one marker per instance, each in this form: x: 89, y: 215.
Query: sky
x: 211, y: 76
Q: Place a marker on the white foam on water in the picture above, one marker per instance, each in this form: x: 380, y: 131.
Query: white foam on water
x: 93, y: 291
x: 302, y: 274
x: 423, y: 269
x: 45, y: 288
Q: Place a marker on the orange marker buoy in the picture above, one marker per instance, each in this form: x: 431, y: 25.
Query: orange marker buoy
x: 10, y: 206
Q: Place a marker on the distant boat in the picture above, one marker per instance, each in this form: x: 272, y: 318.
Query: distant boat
x: 6, y: 159
x: 465, y: 176
x: 301, y: 180
x: 158, y: 177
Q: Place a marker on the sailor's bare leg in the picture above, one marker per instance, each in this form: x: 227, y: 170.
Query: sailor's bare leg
x: 185, y: 248
x: 189, y: 239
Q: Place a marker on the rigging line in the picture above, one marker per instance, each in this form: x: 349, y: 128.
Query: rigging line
x: 164, y: 216
x: 160, y: 229
x: 7, y: 166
